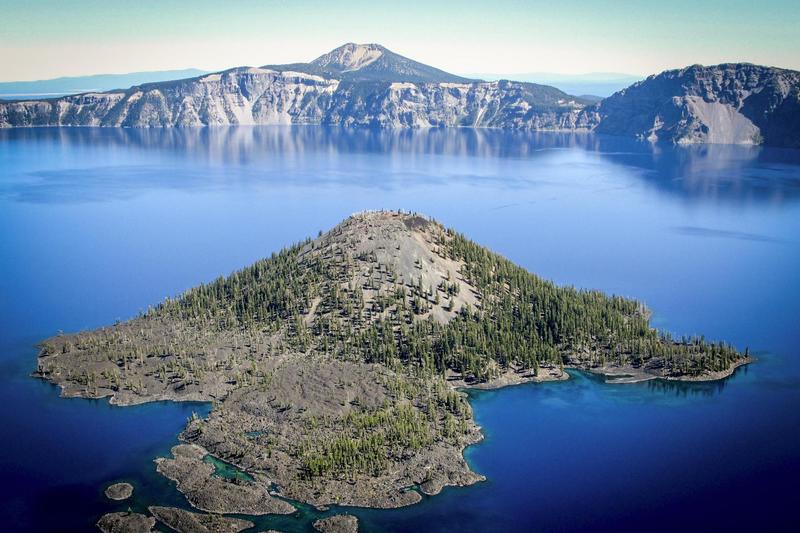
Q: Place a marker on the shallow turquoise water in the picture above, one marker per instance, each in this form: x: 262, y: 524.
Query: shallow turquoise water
x: 97, y: 224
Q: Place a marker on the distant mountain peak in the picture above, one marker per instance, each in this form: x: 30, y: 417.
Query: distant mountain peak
x: 350, y: 57
x: 371, y: 62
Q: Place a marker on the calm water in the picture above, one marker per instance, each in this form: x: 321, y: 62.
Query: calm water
x: 97, y: 224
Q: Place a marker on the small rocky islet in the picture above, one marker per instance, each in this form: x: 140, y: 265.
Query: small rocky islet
x: 119, y: 491
x: 335, y: 366
x: 340, y: 523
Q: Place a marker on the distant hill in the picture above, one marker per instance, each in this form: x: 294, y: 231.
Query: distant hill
x: 599, y: 84
x: 732, y: 103
x: 17, y: 90
x: 592, y: 98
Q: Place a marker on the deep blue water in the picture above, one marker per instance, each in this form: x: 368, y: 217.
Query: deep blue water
x: 97, y: 224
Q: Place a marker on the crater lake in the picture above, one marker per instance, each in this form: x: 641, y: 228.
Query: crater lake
x: 97, y: 224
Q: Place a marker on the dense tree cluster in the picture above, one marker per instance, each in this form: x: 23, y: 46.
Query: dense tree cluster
x: 526, y: 320
x: 366, y: 441
x: 269, y: 291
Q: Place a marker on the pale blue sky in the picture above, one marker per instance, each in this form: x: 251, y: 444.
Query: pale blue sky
x: 48, y: 38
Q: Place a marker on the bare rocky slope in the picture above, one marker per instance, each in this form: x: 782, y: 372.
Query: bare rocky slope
x: 334, y: 365
x: 734, y: 103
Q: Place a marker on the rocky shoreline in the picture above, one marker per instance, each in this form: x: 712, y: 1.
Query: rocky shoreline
x: 336, y: 367
x: 637, y: 375
x: 187, y: 522
x: 195, y: 478
x: 119, y: 491
x: 126, y: 522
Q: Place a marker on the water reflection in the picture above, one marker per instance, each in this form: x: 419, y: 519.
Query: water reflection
x: 656, y: 388
x: 683, y: 389
x: 131, y: 160
x: 243, y: 145
x: 699, y: 231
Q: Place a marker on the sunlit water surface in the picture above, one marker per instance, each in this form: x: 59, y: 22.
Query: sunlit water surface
x: 97, y: 224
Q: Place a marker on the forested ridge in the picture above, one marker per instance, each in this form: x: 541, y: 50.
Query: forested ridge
x: 522, y: 320
x: 337, y: 359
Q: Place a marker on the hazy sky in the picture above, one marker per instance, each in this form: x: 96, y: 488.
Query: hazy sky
x: 48, y: 38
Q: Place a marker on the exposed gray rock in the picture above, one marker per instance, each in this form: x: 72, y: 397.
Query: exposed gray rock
x: 352, y: 85
x: 206, y: 492
x: 119, y: 491
x: 187, y: 522
x: 368, y: 85
x: 260, y: 96
x: 126, y: 522
x: 735, y: 103
x: 340, y: 523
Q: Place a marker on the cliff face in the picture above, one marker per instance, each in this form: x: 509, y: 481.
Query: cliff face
x: 729, y: 103
x: 266, y: 96
x: 237, y: 96
x: 368, y: 85
x: 483, y: 104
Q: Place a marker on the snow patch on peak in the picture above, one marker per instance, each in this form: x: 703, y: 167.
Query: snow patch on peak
x: 258, y: 70
x: 302, y: 76
x: 448, y: 85
x: 401, y: 85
